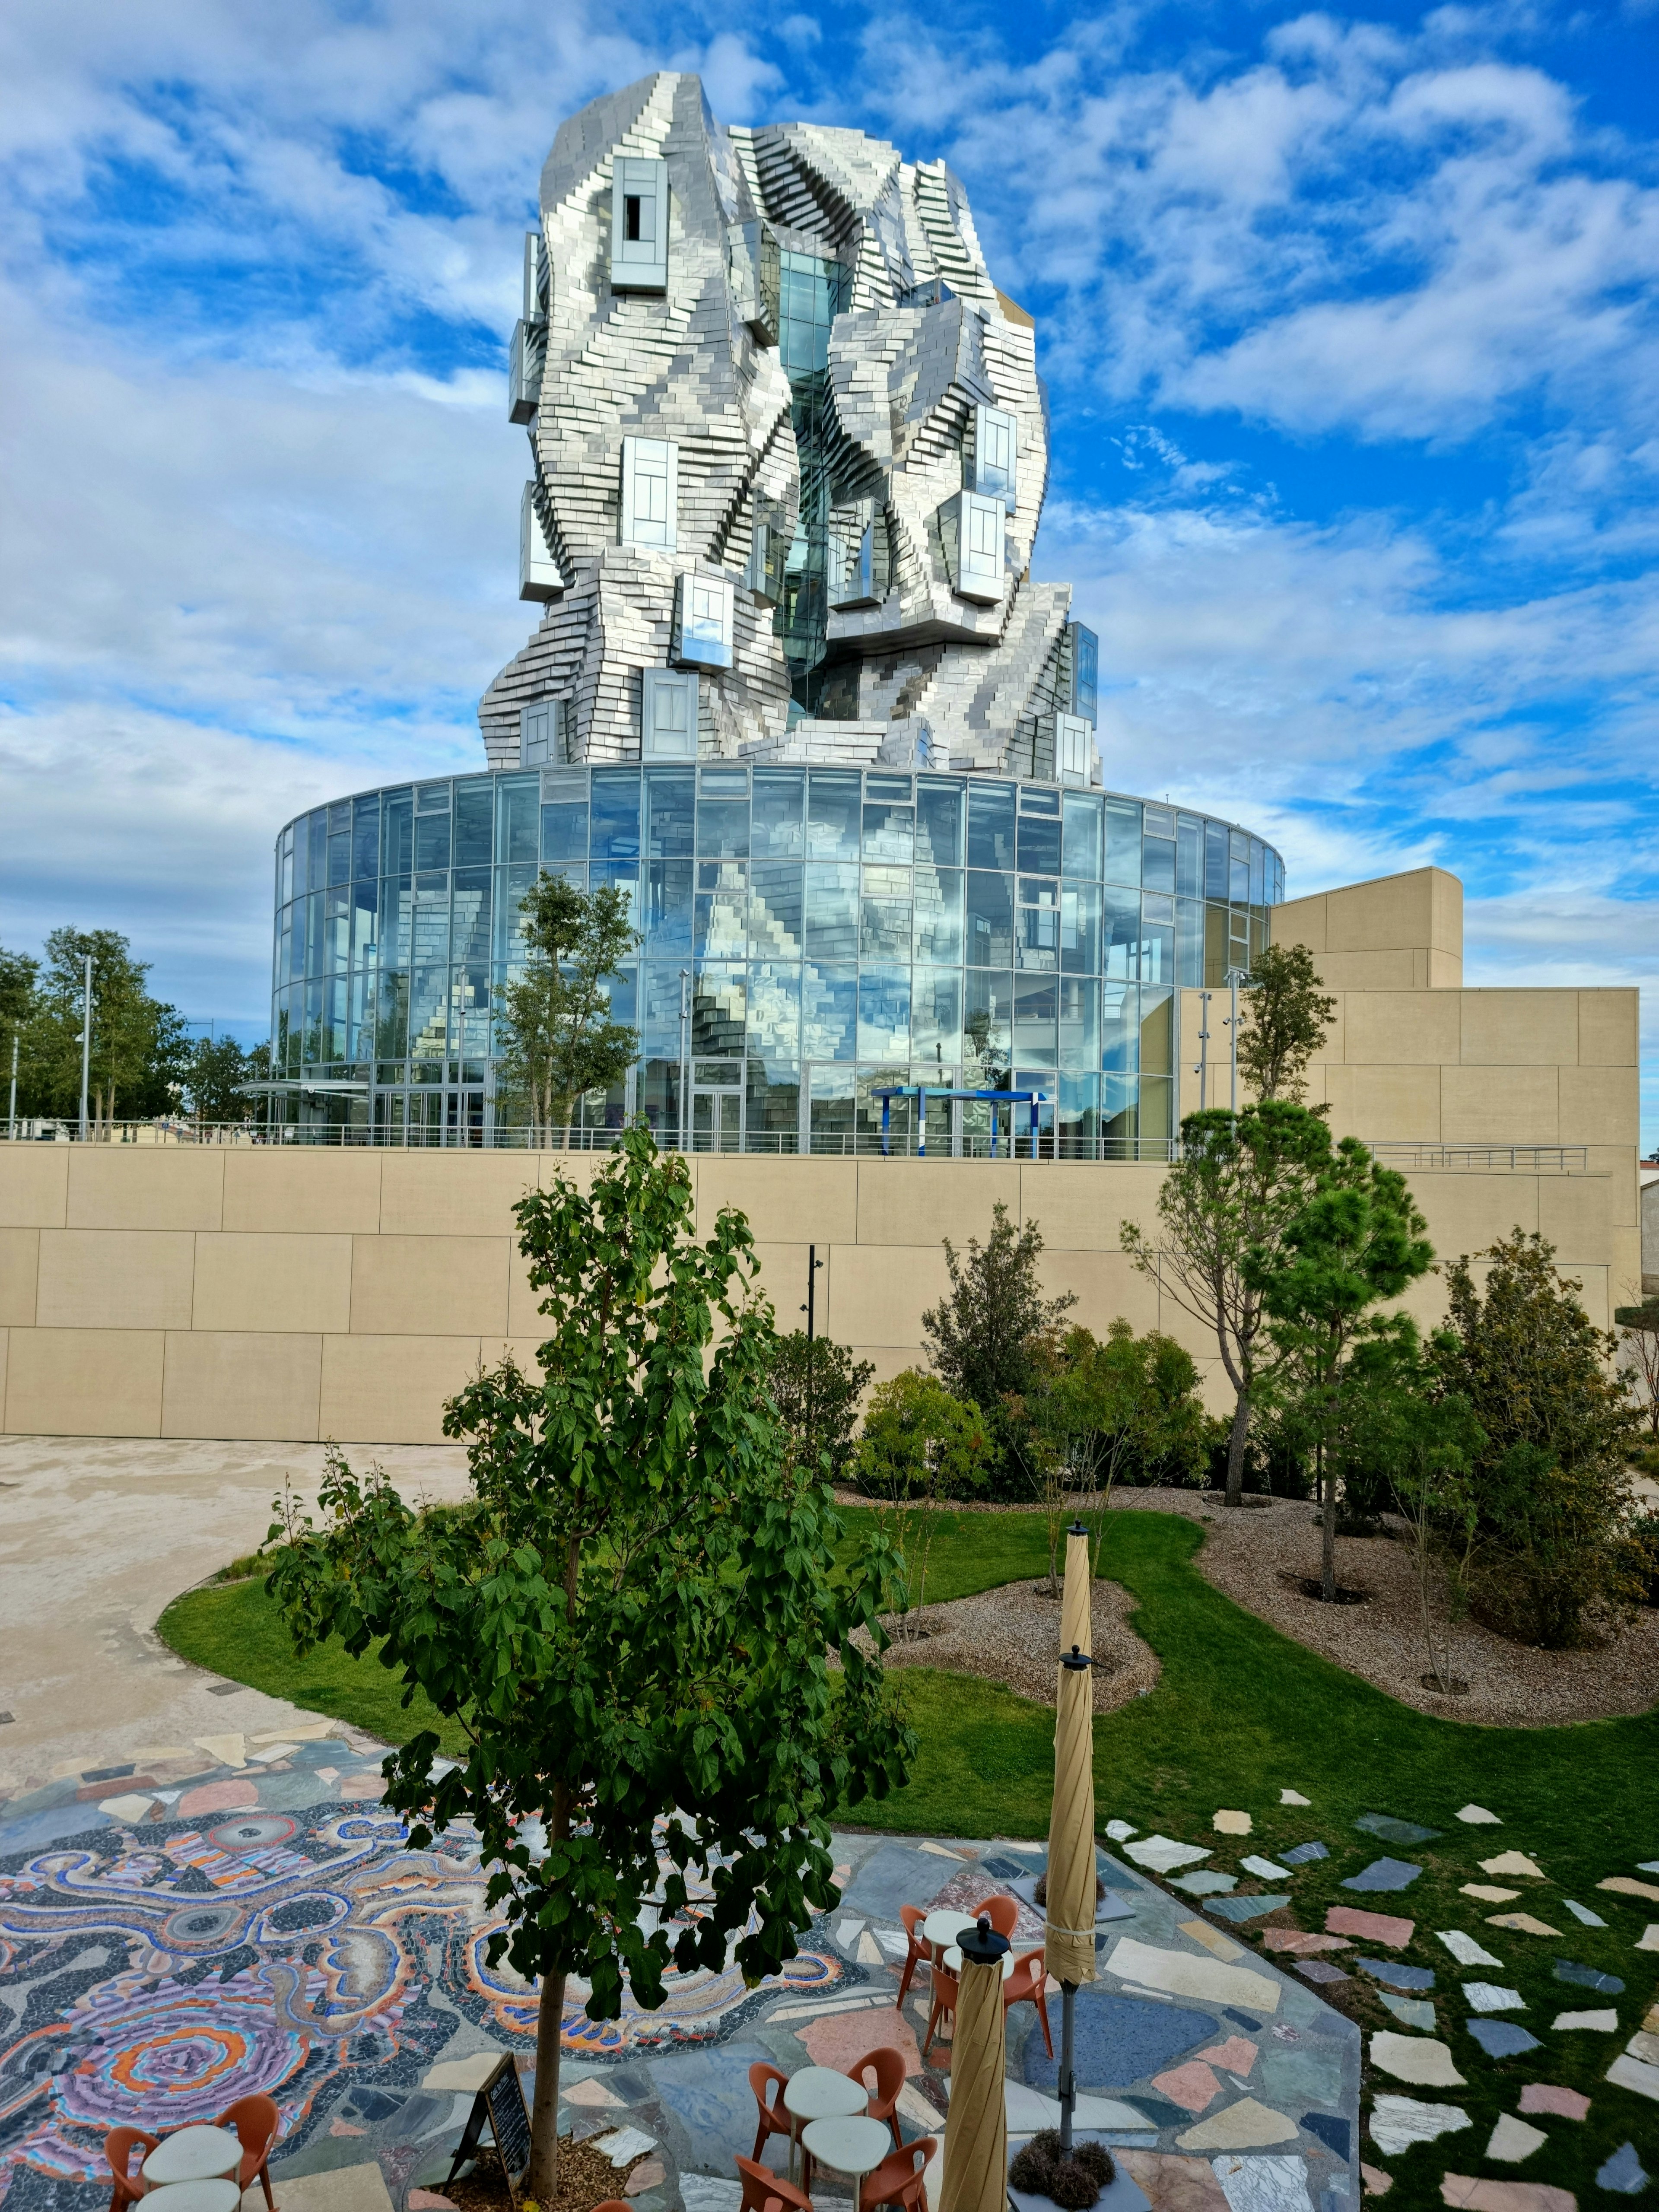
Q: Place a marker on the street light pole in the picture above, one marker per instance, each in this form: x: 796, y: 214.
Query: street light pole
x: 11, y: 1117
x: 1235, y: 977
x: 86, y: 1044
x: 1204, y: 998
x: 685, y: 1026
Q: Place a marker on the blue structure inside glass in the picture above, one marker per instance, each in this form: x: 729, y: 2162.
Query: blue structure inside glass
x: 840, y: 931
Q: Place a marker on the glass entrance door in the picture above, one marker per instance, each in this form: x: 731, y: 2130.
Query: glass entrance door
x: 716, y: 1120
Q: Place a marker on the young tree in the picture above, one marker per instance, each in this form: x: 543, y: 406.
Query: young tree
x: 817, y: 1385
x: 1557, y: 1508
x: 558, y: 1038
x: 1242, y: 1179
x: 1640, y: 1325
x: 633, y: 1623
x: 139, y: 1047
x: 922, y: 1448
x: 980, y: 1338
x: 1425, y: 1447
x: 1282, y: 1021
x: 18, y: 972
x: 217, y: 1069
x: 1357, y: 1242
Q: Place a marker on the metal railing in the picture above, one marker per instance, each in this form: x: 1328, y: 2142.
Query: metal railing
x: 1523, y: 1159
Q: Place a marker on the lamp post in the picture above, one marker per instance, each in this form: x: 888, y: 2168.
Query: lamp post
x: 1235, y: 977
x: 86, y: 1044
x: 1203, y: 1068
x: 11, y: 1117
x: 685, y: 1042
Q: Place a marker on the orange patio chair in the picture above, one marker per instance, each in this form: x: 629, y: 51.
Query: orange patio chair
x: 766, y: 2191
x: 255, y: 2120
x: 1027, y: 1984
x: 900, y: 2178
x: 945, y: 1988
x: 912, y: 1916
x: 1002, y: 1912
x: 117, y: 2149
x: 769, y: 2086
x: 880, y: 2073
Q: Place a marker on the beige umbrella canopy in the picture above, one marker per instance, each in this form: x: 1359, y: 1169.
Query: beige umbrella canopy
x: 976, y: 2178
x: 1069, y: 1944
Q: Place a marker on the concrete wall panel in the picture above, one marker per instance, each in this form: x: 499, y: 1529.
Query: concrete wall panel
x: 146, y: 1187
x: 1401, y: 1029
x: 85, y: 1383
x: 220, y: 1382
x: 34, y: 1188
x: 393, y: 1388
x: 877, y: 1296
x: 445, y: 1193
x: 921, y: 1201
x: 1506, y: 1105
x: 1598, y: 1107
x: 263, y: 1283
x: 786, y: 1200
x: 1520, y: 1029
x: 19, y: 1267
x: 430, y: 1285
x: 1608, y: 1028
x: 289, y: 1189
x: 111, y: 1279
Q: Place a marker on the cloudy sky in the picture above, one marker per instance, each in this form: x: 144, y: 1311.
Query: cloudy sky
x: 1348, y: 324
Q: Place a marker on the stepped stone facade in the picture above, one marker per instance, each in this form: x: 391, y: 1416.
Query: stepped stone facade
x: 789, y: 450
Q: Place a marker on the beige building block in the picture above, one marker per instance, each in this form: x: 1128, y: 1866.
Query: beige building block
x: 1600, y: 1106
x: 1302, y: 922
x: 34, y: 1186
x: 1401, y: 1029
x: 1467, y: 1211
x: 1394, y: 933
x: 878, y: 1293
x: 85, y: 1383
x: 1503, y: 1105
x: 430, y: 1285
x: 99, y: 1279
x: 783, y: 1280
x: 295, y: 1189
x: 264, y: 1283
x: 1574, y: 1212
x: 786, y: 1200
x: 923, y: 1201
x: 5, y: 1357
x: 141, y: 1187
x: 454, y: 1193
x: 1384, y: 1105
x: 1520, y: 1029
x: 1081, y: 1205
x: 392, y: 1389
x: 1609, y: 1028
x: 20, y: 1267
x: 220, y: 1382
x: 1106, y: 1286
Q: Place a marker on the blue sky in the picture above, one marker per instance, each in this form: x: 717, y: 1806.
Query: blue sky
x: 1348, y: 323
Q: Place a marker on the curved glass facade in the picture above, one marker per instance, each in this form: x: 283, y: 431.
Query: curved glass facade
x: 811, y: 935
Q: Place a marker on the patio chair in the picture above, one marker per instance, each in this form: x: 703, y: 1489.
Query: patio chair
x: 766, y: 2191
x: 880, y: 2073
x: 912, y: 1916
x: 769, y: 2086
x: 117, y: 2149
x: 1001, y: 1910
x: 946, y: 1987
x: 900, y: 2178
x: 1028, y: 1984
x: 255, y: 2120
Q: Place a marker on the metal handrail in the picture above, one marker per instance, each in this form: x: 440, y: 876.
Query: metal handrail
x: 1531, y: 1159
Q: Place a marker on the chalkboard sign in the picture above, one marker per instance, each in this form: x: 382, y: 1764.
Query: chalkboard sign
x: 499, y: 2106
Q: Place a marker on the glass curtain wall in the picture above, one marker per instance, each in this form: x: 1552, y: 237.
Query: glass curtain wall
x: 811, y: 937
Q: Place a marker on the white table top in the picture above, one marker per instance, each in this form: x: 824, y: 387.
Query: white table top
x: 946, y: 1927
x: 850, y: 2146
x: 818, y: 2093
x: 952, y: 1961
x: 193, y: 2154
x: 196, y: 2197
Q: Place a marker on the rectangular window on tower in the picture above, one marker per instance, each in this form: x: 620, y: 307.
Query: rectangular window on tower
x: 1075, y: 750
x: 702, y: 621
x: 639, y: 225
x: 539, y: 576
x: 650, y: 492
x: 990, y: 455
x: 1081, y: 667
x: 668, y: 715
x: 529, y: 356
x: 541, y: 733
x: 537, y: 281
x: 971, y: 530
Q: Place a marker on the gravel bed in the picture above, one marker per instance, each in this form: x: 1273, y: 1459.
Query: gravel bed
x: 1259, y: 1556
x: 1012, y: 1635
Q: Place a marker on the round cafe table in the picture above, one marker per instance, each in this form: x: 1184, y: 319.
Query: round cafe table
x: 852, y: 2147
x: 195, y: 2197
x: 951, y: 1961
x: 193, y: 2154
x: 940, y: 1929
x: 818, y: 2093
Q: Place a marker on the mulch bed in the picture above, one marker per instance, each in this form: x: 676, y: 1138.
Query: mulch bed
x: 587, y: 2177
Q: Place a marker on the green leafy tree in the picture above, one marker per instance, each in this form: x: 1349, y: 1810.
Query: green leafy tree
x: 817, y: 1385
x: 214, y: 1074
x: 557, y: 1039
x: 633, y: 1623
x: 1357, y: 1242
x: 980, y: 1338
x: 1419, y: 1450
x: 1241, y: 1181
x: 18, y: 971
x: 139, y: 1045
x: 1557, y: 1552
x: 1283, y: 1022
x: 921, y: 1448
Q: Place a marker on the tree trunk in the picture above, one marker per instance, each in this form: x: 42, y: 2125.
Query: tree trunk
x: 1236, y: 1440
x: 543, y: 2181
x: 1327, y: 1535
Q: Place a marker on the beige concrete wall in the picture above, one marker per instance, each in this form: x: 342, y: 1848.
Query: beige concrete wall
x: 301, y: 1295
x: 1397, y: 933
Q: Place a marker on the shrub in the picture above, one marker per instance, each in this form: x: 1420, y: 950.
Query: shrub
x: 816, y: 1386
x: 1042, y: 2169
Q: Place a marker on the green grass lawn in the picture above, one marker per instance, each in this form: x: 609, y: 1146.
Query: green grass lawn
x: 1239, y: 1713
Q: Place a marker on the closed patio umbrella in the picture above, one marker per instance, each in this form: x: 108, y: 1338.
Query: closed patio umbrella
x: 1069, y: 1942
x: 977, y: 2133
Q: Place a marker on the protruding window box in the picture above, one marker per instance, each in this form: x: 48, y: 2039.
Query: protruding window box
x: 650, y: 492
x: 537, y: 278
x: 971, y: 529
x: 755, y: 267
x: 539, y: 576
x: 541, y: 733
x: 1080, y: 672
x: 858, y: 551
x: 524, y: 376
x: 668, y: 714
x: 769, y: 550
x: 990, y: 456
x: 1075, y: 750
x: 639, y: 225
x: 702, y: 621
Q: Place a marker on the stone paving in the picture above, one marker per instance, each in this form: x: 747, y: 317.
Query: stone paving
x: 238, y: 1913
